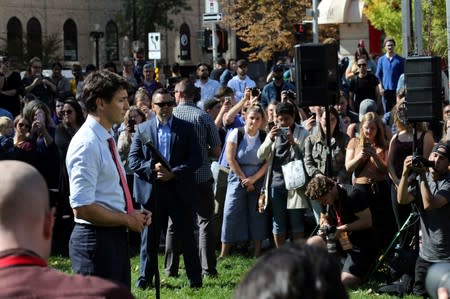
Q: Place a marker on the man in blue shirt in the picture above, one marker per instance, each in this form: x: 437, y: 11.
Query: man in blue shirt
x: 272, y: 90
x: 166, y: 191
x: 99, y: 242
x: 389, y: 69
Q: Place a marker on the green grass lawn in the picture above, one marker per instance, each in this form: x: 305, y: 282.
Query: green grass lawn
x: 231, y: 270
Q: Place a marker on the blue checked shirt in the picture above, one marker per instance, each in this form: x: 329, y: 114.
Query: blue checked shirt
x: 207, y: 134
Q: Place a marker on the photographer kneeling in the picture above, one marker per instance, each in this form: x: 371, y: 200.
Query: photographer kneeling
x: 350, y: 215
x: 430, y: 186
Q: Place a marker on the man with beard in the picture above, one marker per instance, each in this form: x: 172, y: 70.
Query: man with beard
x: 431, y: 192
x: 272, y: 90
x: 241, y: 81
x: 208, y: 87
x: 363, y: 85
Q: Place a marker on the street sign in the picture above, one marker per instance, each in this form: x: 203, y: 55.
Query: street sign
x: 154, y: 45
x: 211, y: 6
x: 212, y: 18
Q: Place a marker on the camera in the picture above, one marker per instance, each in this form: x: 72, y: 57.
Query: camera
x: 330, y: 234
x: 290, y: 94
x: 255, y: 91
x: 419, y: 161
x: 438, y: 276
x: 131, y: 124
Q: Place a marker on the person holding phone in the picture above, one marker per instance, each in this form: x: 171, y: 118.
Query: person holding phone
x: 133, y: 117
x: 37, y: 84
x: 316, y: 153
x: 42, y: 135
x: 285, y: 142
x: 366, y: 158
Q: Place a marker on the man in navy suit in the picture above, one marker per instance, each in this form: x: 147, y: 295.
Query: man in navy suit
x: 166, y: 192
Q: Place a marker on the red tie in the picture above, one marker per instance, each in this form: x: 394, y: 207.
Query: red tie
x: 123, y: 180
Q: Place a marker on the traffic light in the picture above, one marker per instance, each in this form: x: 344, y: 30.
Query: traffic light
x: 302, y: 31
x: 221, y: 40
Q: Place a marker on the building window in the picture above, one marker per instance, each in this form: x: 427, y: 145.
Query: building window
x: 112, y: 41
x: 34, y: 38
x: 70, y: 41
x: 14, y: 40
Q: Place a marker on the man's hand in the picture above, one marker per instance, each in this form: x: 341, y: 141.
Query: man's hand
x: 407, y: 165
x: 162, y: 173
x: 310, y: 123
x: 137, y: 220
x: 147, y: 216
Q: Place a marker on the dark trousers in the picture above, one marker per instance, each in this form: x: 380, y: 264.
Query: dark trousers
x: 388, y: 100
x: 204, y: 210
x: 422, y: 267
x: 163, y: 204
x: 101, y: 251
x: 378, y: 196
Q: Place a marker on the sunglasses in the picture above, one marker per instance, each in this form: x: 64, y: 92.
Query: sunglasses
x: 361, y: 65
x: 165, y: 104
x: 68, y: 112
x: 22, y: 125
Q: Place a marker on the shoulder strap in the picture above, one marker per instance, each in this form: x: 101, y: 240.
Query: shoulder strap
x: 262, y: 136
x: 240, y: 135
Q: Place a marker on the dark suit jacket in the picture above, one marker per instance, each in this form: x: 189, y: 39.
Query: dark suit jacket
x: 185, y: 158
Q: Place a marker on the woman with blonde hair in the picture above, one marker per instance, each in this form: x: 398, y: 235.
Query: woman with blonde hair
x: 366, y: 158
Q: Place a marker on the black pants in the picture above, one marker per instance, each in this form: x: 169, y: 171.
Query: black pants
x: 422, y: 267
x: 100, y: 251
x: 378, y: 197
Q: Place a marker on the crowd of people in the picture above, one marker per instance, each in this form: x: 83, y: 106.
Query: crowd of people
x: 208, y: 153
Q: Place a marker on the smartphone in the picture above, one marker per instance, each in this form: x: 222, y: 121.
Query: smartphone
x: 313, y: 115
x: 284, y: 131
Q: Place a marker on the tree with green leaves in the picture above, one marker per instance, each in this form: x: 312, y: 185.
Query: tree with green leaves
x: 386, y: 15
x: 143, y: 16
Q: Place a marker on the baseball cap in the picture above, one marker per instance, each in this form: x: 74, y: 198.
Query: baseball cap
x: 442, y: 149
x: 368, y: 105
x: 278, y: 68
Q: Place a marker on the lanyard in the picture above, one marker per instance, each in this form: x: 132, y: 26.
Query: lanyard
x: 21, y: 260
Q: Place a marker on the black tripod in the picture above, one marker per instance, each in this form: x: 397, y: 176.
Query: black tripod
x: 409, y: 222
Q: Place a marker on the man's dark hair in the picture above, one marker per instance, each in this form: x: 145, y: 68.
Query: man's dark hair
x: 209, y: 104
x: 200, y: 65
x: 295, y: 270
x: 318, y: 187
x: 90, y: 68
x: 160, y: 91
x: 103, y: 84
x: 190, y: 91
x: 57, y: 64
x: 285, y: 108
x: 388, y: 39
x: 222, y: 61
x: 175, y: 68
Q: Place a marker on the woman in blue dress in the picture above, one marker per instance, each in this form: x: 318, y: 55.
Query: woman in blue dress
x: 241, y: 220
